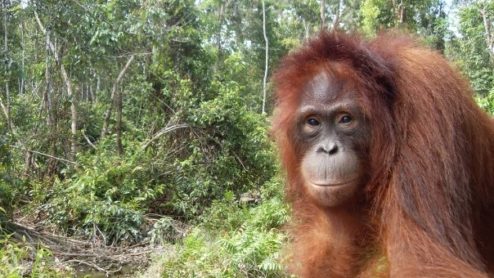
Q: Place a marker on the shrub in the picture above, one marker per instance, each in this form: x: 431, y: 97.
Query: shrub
x: 235, y: 240
x: 487, y: 102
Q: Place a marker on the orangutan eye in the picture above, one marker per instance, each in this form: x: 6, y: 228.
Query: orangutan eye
x: 313, y: 122
x: 345, y: 119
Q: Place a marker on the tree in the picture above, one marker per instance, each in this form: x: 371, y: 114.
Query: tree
x: 471, y: 49
x: 69, y: 88
x: 426, y: 17
x: 266, y: 68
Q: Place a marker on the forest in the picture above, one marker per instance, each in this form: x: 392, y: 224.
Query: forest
x: 135, y: 134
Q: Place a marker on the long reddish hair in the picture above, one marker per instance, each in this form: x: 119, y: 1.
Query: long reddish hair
x: 431, y: 160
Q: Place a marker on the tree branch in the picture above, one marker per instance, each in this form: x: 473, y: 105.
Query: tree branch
x: 47, y: 155
x: 106, y: 120
x: 68, y: 84
x: 163, y: 131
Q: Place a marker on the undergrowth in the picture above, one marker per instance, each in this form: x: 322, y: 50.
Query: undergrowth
x: 19, y: 259
x: 235, y: 240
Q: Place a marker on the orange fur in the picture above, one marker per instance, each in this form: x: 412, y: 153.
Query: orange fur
x: 429, y: 200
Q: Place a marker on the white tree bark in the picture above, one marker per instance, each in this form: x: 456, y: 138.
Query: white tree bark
x: 23, y: 58
x: 48, y: 88
x: 266, y: 66
x: 6, y: 105
x: 68, y: 85
x: 489, y: 34
x: 322, y: 14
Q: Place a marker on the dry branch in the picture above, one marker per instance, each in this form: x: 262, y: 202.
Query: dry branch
x: 161, y: 132
x: 102, y: 258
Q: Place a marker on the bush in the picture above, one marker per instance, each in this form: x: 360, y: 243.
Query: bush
x: 20, y: 260
x: 179, y: 175
x: 108, y: 195
x: 7, y: 181
x: 487, y: 102
x: 235, y: 240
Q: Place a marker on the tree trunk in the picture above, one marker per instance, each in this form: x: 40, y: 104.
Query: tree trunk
x: 266, y: 64
x: 400, y: 12
x: 71, y: 95
x: 322, y: 14
x: 220, y: 19
x: 336, y: 21
x: 98, y: 85
x: 489, y: 35
x: 107, y: 115
x: 28, y: 163
x: 51, y: 164
x: 90, y: 93
x: 73, y: 112
x: 6, y: 105
x: 118, y: 127
x: 306, y: 28
x: 47, y: 92
x: 22, y: 85
x: 219, y: 45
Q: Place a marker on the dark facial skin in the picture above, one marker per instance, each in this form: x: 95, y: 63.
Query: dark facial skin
x: 333, y: 137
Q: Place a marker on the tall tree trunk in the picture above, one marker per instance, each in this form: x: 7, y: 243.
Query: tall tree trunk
x: 107, y: 115
x: 48, y: 88
x: 6, y: 105
x: 98, y: 85
x: 400, y: 12
x: 266, y: 64
x: 51, y: 163
x: 306, y: 28
x: 90, y: 92
x: 336, y: 21
x: 118, y: 127
x: 220, y: 26
x: 322, y: 14
x: 73, y: 112
x: 28, y: 163
x: 23, y: 45
x: 489, y: 34
x: 219, y: 45
x: 70, y: 93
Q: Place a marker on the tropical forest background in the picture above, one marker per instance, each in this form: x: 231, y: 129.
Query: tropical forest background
x: 134, y: 134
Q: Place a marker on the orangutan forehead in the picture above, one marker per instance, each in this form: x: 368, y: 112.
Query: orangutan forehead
x: 323, y: 88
